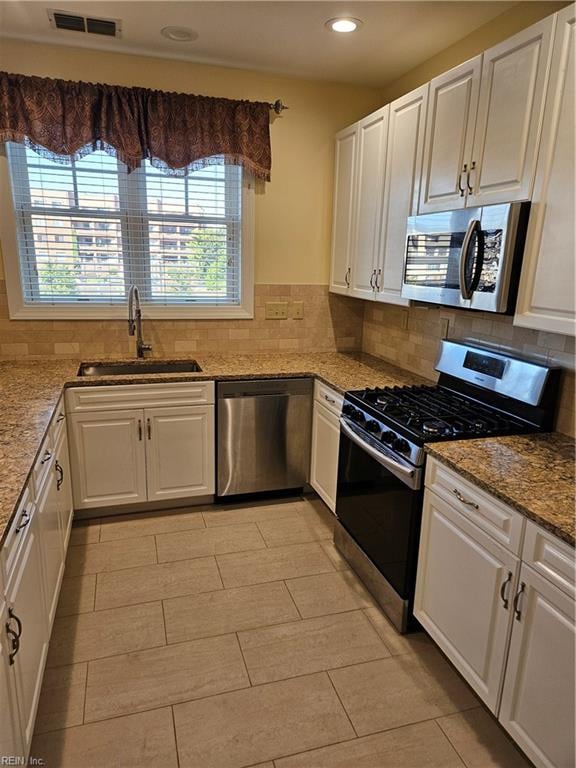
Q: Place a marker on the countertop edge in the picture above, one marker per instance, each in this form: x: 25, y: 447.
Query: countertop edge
x: 515, y: 504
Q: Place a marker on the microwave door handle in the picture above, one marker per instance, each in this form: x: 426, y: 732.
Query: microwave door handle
x: 406, y: 474
x: 473, y: 227
x: 479, y: 265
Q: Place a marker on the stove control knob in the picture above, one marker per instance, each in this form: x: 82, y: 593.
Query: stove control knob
x: 359, y: 418
x: 401, y: 445
x: 373, y: 426
x: 388, y: 437
x: 348, y: 410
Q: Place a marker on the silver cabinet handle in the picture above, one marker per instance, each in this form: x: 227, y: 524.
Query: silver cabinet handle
x: 472, y: 168
x: 330, y: 399
x: 347, y: 277
x: 148, y: 429
x: 461, y: 498
x: 14, y: 636
x: 460, y: 187
x: 505, y: 599
x: 61, y: 417
x: 139, y: 429
x: 517, y: 606
x: 25, y: 518
x: 47, y: 456
x: 372, y: 278
x: 376, y: 281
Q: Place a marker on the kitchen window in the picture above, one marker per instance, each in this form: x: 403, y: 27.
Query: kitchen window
x: 185, y: 241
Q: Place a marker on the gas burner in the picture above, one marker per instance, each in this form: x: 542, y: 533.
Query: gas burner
x: 435, y: 427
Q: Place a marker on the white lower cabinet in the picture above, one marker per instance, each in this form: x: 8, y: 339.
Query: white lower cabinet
x: 147, y: 454
x: 503, y: 614
x: 180, y: 452
x: 538, y: 697
x: 50, y: 538
x: 10, y: 736
x: 108, y: 458
x: 27, y: 628
x: 463, y: 595
x: 64, y: 488
x: 324, y: 455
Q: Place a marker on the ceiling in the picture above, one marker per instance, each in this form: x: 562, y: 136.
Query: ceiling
x: 286, y: 38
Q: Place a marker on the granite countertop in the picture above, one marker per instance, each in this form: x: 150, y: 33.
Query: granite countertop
x: 532, y: 473
x: 29, y: 392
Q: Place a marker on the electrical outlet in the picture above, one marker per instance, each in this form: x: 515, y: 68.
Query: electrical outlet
x: 445, y: 322
x: 297, y: 310
x: 276, y: 310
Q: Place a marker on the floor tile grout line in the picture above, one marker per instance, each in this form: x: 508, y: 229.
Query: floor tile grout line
x: 244, y: 660
x: 175, y: 735
x: 348, y: 716
x: 449, y: 740
x: 293, y: 600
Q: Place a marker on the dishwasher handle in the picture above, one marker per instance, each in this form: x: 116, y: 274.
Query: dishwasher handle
x: 232, y: 395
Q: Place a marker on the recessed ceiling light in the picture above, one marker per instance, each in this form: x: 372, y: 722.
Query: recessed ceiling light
x: 179, y: 34
x: 344, y: 24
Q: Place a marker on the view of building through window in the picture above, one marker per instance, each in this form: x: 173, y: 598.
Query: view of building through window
x: 88, y: 230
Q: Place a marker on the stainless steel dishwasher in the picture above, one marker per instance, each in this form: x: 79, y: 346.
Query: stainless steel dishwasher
x: 264, y: 428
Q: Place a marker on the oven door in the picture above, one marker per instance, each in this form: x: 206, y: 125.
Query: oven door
x: 379, y: 506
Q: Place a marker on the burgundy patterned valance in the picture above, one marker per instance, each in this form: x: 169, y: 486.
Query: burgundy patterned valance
x: 66, y: 119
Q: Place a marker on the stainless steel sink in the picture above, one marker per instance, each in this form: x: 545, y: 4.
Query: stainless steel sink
x: 138, y: 368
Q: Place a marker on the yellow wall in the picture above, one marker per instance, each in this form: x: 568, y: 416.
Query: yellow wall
x: 293, y: 213
x: 507, y: 24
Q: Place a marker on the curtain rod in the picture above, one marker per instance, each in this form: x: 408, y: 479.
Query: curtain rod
x: 278, y: 106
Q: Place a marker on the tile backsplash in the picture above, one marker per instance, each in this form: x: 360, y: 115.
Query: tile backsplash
x: 409, y: 338
x: 330, y: 323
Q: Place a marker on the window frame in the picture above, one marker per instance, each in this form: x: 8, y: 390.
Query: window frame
x: 20, y: 309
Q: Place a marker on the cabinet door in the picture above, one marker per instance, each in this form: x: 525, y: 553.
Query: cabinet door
x: 10, y: 737
x: 50, y: 538
x: 538, y: 696
x: 324, y: 456
x: 452, y: 107
x: 180, y: 452
x: 464, y: 586
x: 371, y: 156
x: 343, y: 211
x: 108, y: 458
x: 546, y: 294
x: 510, y: 110
x: 25, y: 597
x: 401, y: 189
x: 63, y: 487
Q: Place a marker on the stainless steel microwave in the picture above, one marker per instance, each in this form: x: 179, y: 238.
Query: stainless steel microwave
x: 468, y: 258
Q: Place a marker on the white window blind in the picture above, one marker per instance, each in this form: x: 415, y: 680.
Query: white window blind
x: 88, y: 230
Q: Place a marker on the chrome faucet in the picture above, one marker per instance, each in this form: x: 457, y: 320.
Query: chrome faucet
x: 135, y: 321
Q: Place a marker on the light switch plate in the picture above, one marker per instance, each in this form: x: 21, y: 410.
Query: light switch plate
x: 297, y: 310
x: 276, y: 310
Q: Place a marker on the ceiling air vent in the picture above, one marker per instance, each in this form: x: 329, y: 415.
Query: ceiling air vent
x: 87, y: 24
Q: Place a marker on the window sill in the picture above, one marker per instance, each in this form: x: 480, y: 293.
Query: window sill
x: 120, y: 312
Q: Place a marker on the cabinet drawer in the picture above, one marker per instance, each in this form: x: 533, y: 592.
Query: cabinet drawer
x: 500, y: 521
x: 328, y: 397
x: 122, y: 396
x: 58, y: 421
x: 551, y: 557
x: 43, y: 463
x: 17, y: 533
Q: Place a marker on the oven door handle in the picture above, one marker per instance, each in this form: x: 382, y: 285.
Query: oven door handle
x: 409, y: 475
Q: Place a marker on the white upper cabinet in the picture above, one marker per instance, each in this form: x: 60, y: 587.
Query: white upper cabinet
x: 371, y: 157
x: 343, y: 211
x: 452, y: 107
x: 546, y: 294
x: 510, y: 109
x: 401, y: 190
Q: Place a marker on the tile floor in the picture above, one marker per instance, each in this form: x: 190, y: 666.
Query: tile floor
x: 234, y: 637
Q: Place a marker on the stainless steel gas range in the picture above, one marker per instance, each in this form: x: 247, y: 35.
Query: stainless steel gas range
x: 480, y: 392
